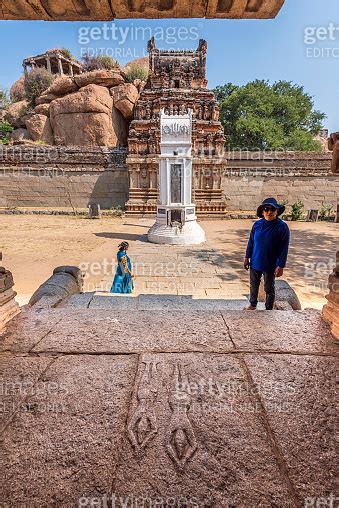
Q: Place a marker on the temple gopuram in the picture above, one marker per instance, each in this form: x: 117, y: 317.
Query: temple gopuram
x: 176, y: 83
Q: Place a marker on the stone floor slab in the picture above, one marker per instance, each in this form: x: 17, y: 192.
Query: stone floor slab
x: 66, y: 445
x: 194, y: 434
x: 19, y: 379
x: 27, y: 329
x: 298, y: 331
x: 91, y: 330
x: 81, y: 300
x: 299, y: 396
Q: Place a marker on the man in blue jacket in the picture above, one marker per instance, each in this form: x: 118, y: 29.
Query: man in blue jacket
x: 267, y: 251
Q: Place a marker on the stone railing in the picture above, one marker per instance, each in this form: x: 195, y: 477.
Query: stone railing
x: 331, y: 309
x: 8, y: 306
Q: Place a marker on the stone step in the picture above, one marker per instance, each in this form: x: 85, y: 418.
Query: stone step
x: 105, y: 300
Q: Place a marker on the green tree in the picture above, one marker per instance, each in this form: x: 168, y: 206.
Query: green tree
x: 261, y: 116
x: 36, y: 82
x: 92, y: 63
x: 4, y: 100
x: 136, y: 72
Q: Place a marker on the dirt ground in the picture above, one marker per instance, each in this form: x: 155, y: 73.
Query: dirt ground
x: 32, y: 245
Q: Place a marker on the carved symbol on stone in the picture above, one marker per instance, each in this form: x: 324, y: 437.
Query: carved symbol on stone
x: 142, y: 425
x: 181, y: 442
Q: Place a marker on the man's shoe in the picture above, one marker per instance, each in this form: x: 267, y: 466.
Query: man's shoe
x: 250, y: 307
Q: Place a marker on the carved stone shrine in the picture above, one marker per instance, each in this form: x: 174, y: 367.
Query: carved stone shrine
x: 176, y: 84
x: 176, y: 221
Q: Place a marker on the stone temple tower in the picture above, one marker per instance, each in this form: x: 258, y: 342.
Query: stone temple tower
x: 176, y: 84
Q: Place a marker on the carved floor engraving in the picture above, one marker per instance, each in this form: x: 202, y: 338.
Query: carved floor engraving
x: 142, y: 424
x: 181, y: 442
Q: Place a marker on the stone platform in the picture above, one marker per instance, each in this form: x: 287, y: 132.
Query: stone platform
x: 210, y: 408
x: 198, y: 271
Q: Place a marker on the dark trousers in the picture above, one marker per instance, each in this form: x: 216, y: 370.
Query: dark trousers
x: 255, y: 278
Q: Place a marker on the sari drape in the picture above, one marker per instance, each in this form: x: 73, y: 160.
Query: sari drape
x: 123, y: 281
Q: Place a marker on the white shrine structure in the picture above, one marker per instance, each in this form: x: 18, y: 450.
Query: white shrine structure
x: 176, y: 221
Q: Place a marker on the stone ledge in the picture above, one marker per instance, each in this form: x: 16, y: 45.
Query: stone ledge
x: 103, y: 10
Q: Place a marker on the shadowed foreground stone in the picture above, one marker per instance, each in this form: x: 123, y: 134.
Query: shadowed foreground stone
x: 194, y: 408
x: 64, y: 440
x: 298, y: 394
x: 105, y: 10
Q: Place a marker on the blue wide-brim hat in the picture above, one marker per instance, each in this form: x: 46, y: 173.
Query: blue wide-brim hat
x: 273, y: 202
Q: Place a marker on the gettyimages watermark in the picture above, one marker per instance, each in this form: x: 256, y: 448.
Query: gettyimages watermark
x: 44, y: 172
x: 30, y: 154
x: 125, y: 38
x: 154, y: 277
x: 116, y: 501
x: 316, y: 276
x: 331, y: 501
x: 322, y: 41
x: 210, y: 395
x: 107, y: 267
x: 15, y: 396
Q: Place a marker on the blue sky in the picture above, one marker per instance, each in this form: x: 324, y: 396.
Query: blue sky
x: 238, y: 50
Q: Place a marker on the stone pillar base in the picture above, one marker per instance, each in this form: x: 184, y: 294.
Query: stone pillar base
x: 190, y: 234
x: 331, y: 316
x: 331, y: 309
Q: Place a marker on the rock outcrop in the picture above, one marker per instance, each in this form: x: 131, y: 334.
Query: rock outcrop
x: 39, y: 129
x: 100, y: 77
x: 19, y: 135
x: 42, y: 109
x: 63, y: 85
x: 14, y: 113
x: 90, y: 109
x: 124, y: 99
x: 17, y: 90
x: 84, y: 118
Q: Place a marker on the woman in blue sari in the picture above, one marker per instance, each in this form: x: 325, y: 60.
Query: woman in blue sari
x: 123, y: 279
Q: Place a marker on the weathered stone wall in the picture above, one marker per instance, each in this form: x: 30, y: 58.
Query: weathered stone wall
x: 250, y: 177
x: 41, y: 176
x: 62, y: 176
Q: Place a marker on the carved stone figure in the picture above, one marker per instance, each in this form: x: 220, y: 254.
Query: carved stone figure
x: 142, y: 424
x: 181, y: 442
